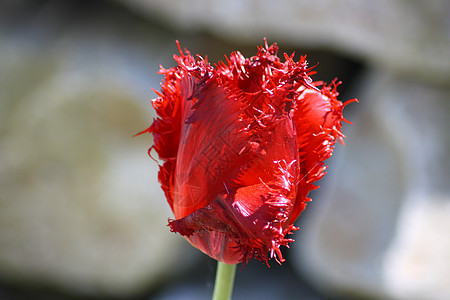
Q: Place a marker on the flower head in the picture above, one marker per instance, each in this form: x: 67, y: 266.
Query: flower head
x: 242, y: 144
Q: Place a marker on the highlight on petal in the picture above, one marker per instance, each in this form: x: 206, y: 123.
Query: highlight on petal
x: 242, y: 144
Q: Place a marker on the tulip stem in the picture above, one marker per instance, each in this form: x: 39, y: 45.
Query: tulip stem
x: 223, y: 287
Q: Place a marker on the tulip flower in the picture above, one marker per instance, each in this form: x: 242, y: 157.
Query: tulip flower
x: 242, y: 144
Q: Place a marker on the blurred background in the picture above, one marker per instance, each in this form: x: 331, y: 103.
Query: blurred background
x: 82, y: 215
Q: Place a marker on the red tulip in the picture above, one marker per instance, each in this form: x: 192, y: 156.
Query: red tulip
x: 242, y: 144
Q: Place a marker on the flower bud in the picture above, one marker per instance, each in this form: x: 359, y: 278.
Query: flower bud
x: 242, y: 144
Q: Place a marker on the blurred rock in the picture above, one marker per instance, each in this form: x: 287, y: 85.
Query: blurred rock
x: 380, y: 227
x: 407, y: 37
x: 80, y: 206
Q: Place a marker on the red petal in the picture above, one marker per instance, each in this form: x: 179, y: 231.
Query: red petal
x: 248, y: 223
x: 210, y: 146
x: 317, y: 117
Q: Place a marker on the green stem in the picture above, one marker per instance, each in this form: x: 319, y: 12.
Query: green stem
x: 223, y: 286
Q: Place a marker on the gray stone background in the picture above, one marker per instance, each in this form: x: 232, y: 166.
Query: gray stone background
x: 82, y: 215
